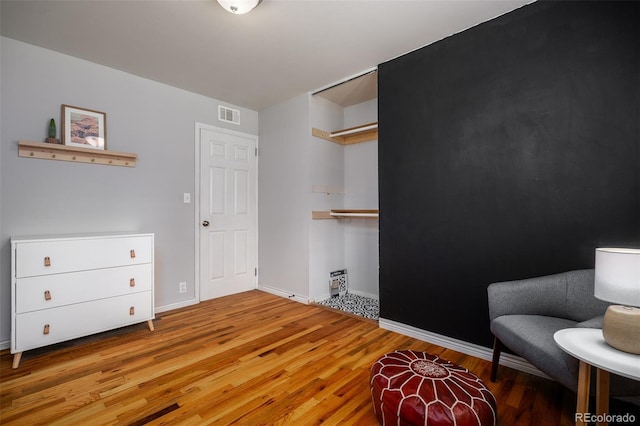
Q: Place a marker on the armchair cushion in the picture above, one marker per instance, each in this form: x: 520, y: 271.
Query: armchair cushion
x: 532, y: 337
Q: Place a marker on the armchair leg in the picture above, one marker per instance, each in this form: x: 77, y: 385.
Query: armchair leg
x: 497, y: 348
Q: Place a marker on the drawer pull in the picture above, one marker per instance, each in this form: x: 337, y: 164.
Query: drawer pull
x: 132, y: 282
x: 133, y: 254
x: 47, y: 295
x: 132, y: 311
x: 47, y: 261
x: 46, y: 329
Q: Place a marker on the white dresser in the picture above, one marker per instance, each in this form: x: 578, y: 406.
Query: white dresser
x: 66, y: 287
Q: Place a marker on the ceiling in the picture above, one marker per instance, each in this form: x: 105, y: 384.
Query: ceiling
x: 277, y: 51
x: 352, y: 91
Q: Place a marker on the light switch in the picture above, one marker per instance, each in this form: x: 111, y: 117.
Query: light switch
x: 187, y: 197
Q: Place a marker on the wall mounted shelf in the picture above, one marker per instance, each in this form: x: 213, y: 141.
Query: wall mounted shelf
x: 364, y: 133
x: 48, y: 151
x: 345, y: 214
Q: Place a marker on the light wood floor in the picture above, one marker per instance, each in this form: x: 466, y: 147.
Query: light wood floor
x: 250, y: 359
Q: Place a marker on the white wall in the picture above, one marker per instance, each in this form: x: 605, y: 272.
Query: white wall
x: 361, y: 184
x: 326, y: 244
x: 283, y: 198
x: 153, y: 120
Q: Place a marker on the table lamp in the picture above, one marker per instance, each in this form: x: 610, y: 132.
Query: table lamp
x: 617, y: 280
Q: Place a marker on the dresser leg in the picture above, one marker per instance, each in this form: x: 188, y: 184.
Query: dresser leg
x: 16, y: 360
x: 150, y: 324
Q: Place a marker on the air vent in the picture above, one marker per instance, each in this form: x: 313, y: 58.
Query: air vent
x: 228, y: 115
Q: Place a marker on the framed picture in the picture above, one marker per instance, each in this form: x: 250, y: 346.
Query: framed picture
x: 84, y: 127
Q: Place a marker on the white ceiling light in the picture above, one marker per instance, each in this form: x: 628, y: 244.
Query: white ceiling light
x: 238, y: 7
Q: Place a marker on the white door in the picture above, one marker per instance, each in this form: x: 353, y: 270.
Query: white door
x: 228, y: 217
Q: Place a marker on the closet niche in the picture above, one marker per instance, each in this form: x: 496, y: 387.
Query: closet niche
x: 344, y: 190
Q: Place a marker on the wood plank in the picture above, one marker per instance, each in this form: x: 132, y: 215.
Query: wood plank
x: 322, y: 134
x: 48, y: 151
x: 319, y: 214
x: 355, y: 213
x: 363, y: 128
x: 370, y: 135
x: 250, y: 358
x: 345, y: 214
x: 348, y: 136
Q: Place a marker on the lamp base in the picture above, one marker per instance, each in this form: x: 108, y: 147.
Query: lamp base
x: 621, y: 328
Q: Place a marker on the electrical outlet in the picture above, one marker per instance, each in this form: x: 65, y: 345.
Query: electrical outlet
x: 182, y: 287
x: 186, y: 197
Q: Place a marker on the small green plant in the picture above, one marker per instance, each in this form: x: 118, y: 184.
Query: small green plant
x: 52, y: 128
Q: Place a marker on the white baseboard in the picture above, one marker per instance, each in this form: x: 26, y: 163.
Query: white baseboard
x: 507, y: 360
x: 356, y: 292
x: 178, y: 305
x: 320, y: 298
x: 6, y: 344
x: 283, y: 293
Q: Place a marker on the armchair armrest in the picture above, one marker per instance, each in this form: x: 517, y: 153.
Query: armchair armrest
x: 591, y: 323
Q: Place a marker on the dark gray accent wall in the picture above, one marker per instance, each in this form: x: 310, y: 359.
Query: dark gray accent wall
x: 507, y: 151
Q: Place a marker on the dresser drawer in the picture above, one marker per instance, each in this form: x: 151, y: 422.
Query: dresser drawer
x: 35, y: 258
x: 50, y: 291
x: 39, y: 328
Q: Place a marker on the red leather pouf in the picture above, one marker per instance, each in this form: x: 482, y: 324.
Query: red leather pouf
x: 417, y: 388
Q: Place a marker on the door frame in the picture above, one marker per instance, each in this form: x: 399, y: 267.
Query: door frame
x: 196, y: 199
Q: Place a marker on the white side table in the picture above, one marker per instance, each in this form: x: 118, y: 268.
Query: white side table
x: 588, y: 345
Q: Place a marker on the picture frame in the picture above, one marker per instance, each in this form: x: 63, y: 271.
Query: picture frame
x: 84, y: 128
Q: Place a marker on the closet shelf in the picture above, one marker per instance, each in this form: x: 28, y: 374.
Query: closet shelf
x: 49, y: 151
x: 345, y: 214
x: 364, y: 133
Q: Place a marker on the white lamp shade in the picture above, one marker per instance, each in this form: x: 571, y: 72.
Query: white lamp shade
x: 617, y: 276
x: 238, y: 7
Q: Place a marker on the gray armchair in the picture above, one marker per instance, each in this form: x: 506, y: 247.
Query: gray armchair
x: 525, y: 314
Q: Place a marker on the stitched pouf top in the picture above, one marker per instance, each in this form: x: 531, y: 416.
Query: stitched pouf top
x: 417, y: 388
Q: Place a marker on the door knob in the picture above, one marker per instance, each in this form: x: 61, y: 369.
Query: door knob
x: 205, y: 223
